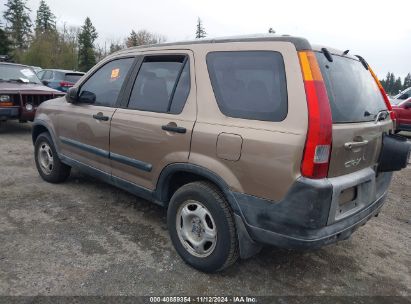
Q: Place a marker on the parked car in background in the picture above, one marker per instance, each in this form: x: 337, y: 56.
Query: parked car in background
x: 264, y: 140
x: 60, y: 80
x: 21, y: 92
x: 402, y: 109
x: 405, y: 94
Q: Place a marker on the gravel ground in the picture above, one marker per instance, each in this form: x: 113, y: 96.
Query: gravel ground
x: 84, y: 237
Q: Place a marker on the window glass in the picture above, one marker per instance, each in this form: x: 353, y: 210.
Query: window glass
x: 404, y: 96
x: 249, y: 84
x: 48, y: 75
x: 353, y: 93
x: 40, y: 74
x: 104, y: 86
x: 13, y: 72
x: 58, y: 75
x: 72, y: 77
x: 156, y: 88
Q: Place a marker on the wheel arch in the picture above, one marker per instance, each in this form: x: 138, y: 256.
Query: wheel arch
x: 41, y: 127
x: 176, y: 175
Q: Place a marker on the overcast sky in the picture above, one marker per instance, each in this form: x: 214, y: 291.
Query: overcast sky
x: 380, y: 31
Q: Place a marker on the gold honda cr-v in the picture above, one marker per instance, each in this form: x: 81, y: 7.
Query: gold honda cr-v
x: 246, y: 141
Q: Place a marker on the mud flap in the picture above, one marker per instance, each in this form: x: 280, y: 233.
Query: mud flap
x: 395, y: 153
x: 248, y: 247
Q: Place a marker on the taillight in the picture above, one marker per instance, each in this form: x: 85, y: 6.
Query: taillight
x: 317, y: 149
x: 66, y: 84
x: 383, y: 93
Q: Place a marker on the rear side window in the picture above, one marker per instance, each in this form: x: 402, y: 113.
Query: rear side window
x: 48, y: 75
x: 103, y: 87
x: 354, y: 96
x: 73, y: 78
x: 249, y: 84
x: 58, y: 75
x: 162, y: 85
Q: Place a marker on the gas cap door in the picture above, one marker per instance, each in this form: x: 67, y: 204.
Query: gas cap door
x: 229, y: 146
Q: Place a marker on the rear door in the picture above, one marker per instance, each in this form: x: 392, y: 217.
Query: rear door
x: 154, y: 126
x: 355, y: 101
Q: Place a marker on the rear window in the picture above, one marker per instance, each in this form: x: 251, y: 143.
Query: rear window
x: 249, y: 84
x: 354, y: 96
x: 72, y: 77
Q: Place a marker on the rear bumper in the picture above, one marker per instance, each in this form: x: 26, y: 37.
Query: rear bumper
x: 311, y: 215
x: 316, y: 238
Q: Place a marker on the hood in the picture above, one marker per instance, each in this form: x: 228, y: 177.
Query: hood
x: 25, y: 87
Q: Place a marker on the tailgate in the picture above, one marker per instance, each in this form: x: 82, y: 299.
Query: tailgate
x: 358, y: 112
x: 356, y: 146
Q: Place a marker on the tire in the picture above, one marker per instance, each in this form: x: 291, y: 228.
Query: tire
x: 205, y: 209
x: 53, y: 171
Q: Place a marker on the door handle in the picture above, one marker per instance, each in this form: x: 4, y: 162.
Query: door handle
x: 172, y: 127
x: 100, y: 116
x: 355, y: 144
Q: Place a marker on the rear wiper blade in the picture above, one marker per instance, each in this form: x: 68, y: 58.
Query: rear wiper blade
x: 379, y: 116
x: 363, y: 62
x: 327, y: 54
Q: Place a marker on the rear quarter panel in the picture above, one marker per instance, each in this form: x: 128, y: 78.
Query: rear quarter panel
x: 271, y: 152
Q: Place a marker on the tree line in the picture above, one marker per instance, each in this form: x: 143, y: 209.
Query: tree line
x: 42, y: 43
x: 393, y: 85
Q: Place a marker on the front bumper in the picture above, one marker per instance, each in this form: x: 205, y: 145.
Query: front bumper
x: 311, y: 215
x: 9, y: 113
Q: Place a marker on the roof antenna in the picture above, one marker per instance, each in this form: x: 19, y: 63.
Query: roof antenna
x: 345, y: 52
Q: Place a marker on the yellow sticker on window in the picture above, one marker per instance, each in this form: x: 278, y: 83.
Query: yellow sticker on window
x: 115, y: 73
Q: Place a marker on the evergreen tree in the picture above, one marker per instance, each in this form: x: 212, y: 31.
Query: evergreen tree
x: 5, y: 44
x: 407, y: 81
x: 45, y: 21
x: 391, y: 84
x: 397, y: 87
x: 200, y: 31
x: 86, y: 38
x: 132, y: 40
x: 18, y: 23
x: 143, y: 37
x: 115, y: 46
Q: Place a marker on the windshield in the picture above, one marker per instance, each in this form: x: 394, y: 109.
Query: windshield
x: 353, y: 93
x: 23, y: 74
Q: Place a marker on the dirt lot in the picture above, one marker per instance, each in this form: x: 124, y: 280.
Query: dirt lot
x: 84, y: 237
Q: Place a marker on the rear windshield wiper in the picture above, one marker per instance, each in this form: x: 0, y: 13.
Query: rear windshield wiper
x: 327, y: 54
x: 363, y: 62
x: 381, y: 115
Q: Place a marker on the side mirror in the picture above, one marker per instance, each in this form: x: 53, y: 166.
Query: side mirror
x: 72, y: 95
x: 45, y: 82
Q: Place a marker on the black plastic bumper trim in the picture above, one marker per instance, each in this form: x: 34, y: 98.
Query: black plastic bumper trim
x: 106, y: 154
x: 319, y: 237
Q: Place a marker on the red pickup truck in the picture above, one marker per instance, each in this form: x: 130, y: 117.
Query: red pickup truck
x: 402, y: 109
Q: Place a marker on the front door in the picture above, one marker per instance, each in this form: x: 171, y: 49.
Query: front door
x: 84, y: 127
